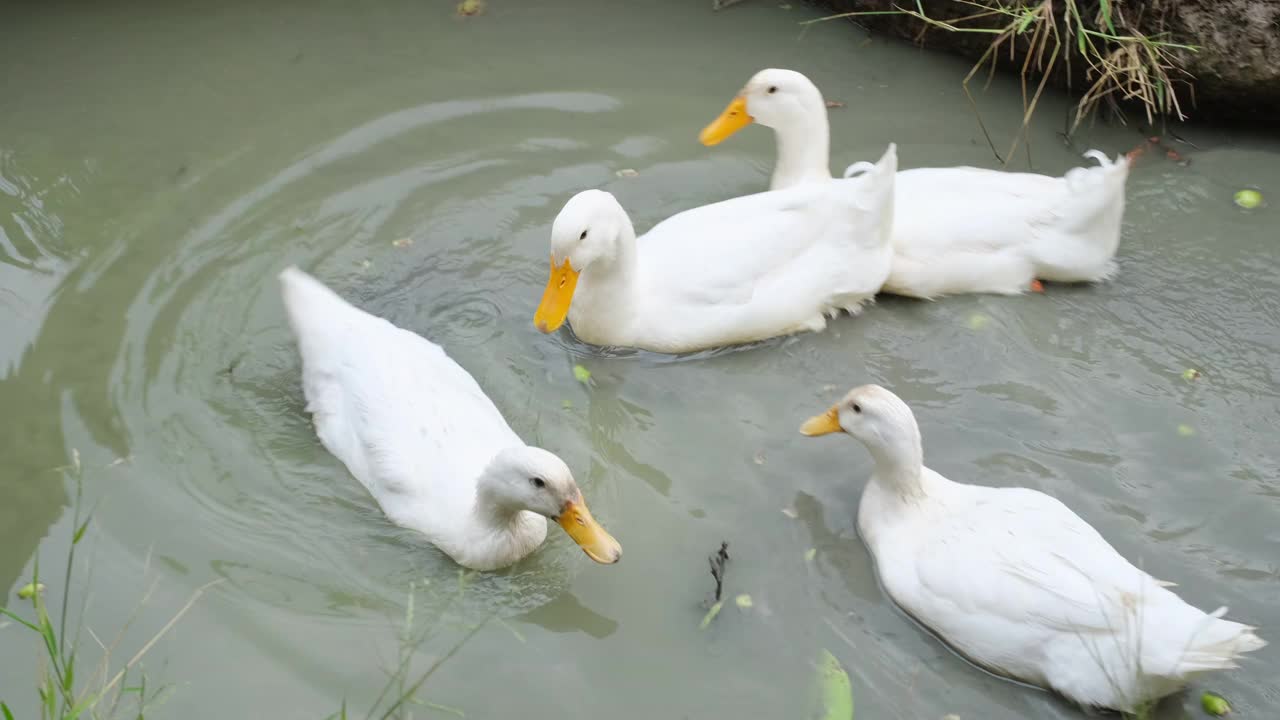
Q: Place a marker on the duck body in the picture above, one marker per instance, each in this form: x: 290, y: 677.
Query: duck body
x: 970, y: 230
x: 415, y: 429
x: 745, y: 269
x: 955, y: 230
x: 1017, y: 582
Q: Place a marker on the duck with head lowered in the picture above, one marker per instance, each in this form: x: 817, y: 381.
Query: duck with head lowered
x: 426, y: 442
x: 959, y: 229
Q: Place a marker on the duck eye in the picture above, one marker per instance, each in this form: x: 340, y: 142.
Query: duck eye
x: 538, y: 482
x: 856, y: 408
x: 583, y: 236
x: 773, y: 89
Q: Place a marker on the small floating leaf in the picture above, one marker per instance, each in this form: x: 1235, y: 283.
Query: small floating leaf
x: 977, y: 321
x: 566, y: 404
x: 1186, y: 430
x: 1248, y: 199
x: 743, y: 601
x: 1190, y: 374
x: 1214, y: 704
x: 403, y: 242
x: 626, y: 173
x: 28, y: 591
x: 810, y: 554
x: 468, y: 8
x: 711, y: 615
x: 834, y: 104
x: 582, y: 374
x: 834, y: 692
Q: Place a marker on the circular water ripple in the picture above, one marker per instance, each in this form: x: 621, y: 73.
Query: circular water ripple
x: 210, y: 377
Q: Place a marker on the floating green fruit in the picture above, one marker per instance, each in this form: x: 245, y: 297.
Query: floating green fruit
x: 1186, y: 430
x: 28, y: 591
x: 743, y: 601
x: 1248, y: 199
x: 1214, y: 704
x: 1190, y: 374
x: 582, y: 374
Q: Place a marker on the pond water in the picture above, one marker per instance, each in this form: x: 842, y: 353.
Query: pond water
x: 161, y: 162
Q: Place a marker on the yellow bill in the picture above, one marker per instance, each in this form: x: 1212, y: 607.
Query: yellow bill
x: 598, y: 544
x: 734, y: 118
x: 824, y: 424
x: 554, y: 307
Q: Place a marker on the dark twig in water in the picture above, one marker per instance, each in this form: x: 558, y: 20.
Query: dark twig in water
x: 718, y: 560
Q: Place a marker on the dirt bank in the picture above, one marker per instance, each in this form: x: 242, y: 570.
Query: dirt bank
x: 1234, y: 75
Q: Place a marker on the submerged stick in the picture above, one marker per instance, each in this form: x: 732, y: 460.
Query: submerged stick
x: 718, y: 560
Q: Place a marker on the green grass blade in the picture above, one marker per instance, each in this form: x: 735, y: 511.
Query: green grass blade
x: 49, y: 697
x: 9, y: 614
x: 80, y: 531
x: 5, y: 709
x: 1024, y: 22
x: 1106, y: 16
x: 69, y: 677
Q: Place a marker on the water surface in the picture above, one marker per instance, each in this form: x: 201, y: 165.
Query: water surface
x: 160, y: 163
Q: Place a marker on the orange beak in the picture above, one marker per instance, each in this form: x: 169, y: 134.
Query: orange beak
x: 824, y: 424
x: 734, y: 118
x: 598, y: 544
x: 554, y: 307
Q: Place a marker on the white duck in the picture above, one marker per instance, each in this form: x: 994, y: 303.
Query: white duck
x: 955, y: 230
x: 418, y: 432
x: 746, y: 269
x: 1015, y: 581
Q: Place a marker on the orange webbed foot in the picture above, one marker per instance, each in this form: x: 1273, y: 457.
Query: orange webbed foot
x: 1037, y: 286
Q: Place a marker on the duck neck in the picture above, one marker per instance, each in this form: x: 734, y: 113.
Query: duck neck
x: 492, y: 511
x: 803, y: 149
x: 604, y: 303
x: 900, y: 468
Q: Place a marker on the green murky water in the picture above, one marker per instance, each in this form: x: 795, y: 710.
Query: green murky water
x: 159, y: 164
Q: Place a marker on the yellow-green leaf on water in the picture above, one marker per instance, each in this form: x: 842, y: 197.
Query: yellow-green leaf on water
x: 711, y: 615
x: 809, y: 554
x: 28, y: 591
x: 743, y: 601
x: 582, y: 374
x: 1186, y: 430
x: 566, y: 404
x: 1190, y: 374
x: 1214, y: 704
x: 977, y: 321
x: 833, y: 692
x: 1248, y: 198
x: 468, y: 8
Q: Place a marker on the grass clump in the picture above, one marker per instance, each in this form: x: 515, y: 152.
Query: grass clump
x: 399, y: 695
x: 1122, y: 64
x: 65, y: 690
